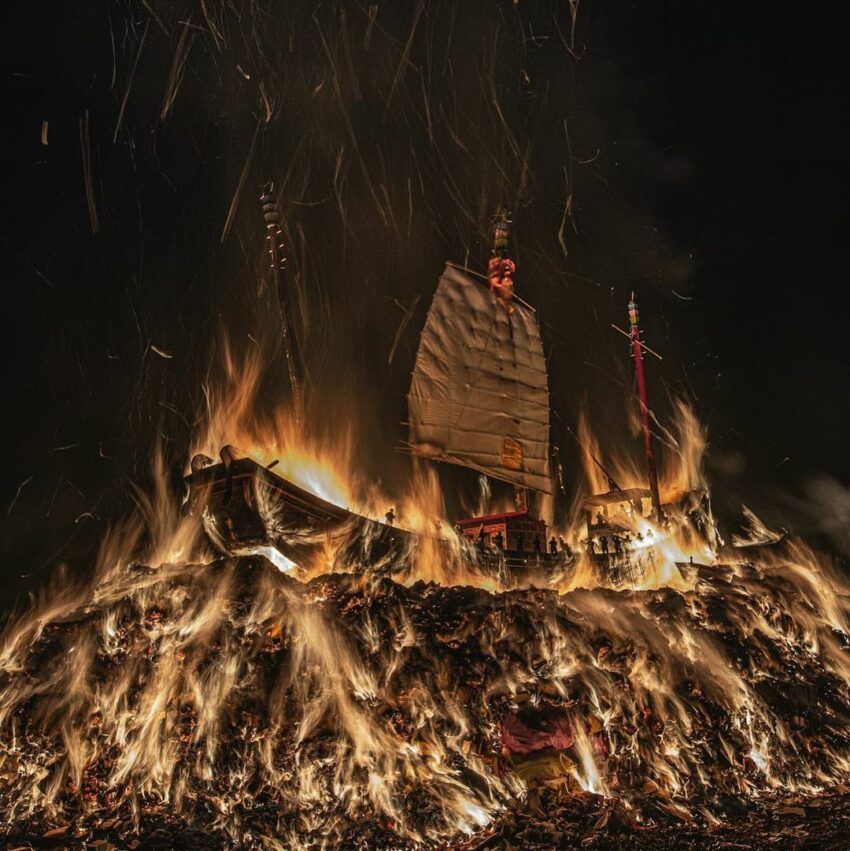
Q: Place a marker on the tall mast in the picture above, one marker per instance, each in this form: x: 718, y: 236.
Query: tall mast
x: 500, y: 272
x: 637, y: 354
x: 487, y: 412
x: 277, y: 260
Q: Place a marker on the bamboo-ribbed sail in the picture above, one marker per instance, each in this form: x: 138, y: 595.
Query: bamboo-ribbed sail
x: 479, y: 396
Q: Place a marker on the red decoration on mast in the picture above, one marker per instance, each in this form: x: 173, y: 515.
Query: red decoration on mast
x: 501, y: 269
x: 637, y: 354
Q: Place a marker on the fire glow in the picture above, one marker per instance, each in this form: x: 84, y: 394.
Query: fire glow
x: 222, y: 686
x: 287, y: 685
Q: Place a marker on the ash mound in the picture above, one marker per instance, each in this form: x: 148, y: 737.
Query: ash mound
x: 233, y: 701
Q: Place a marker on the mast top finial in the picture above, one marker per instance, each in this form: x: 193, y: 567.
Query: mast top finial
x: 271, y: 213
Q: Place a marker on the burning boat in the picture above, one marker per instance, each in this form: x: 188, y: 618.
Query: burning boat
x: 248, y: 508
x: 478, y: 399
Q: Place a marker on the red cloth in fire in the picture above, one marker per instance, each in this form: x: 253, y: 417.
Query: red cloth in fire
x: 528, y: 730
x: 532, y: 729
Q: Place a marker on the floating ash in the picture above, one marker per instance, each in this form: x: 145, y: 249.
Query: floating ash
x: 233, y: 699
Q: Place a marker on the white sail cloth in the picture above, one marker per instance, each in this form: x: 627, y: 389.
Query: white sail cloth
x: 479, y: 396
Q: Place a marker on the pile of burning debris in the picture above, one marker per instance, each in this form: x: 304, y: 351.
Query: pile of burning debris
x: 232, y: 701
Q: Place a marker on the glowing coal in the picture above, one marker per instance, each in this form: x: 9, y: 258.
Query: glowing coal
x: 258, y: 705
x: 287, y: 705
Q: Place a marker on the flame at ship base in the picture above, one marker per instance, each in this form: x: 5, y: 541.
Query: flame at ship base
x: 215, y: 687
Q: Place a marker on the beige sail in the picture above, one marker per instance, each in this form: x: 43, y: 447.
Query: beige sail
x: 479, y: 396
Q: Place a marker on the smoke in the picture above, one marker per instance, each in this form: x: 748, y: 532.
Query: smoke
x: 824, y: 510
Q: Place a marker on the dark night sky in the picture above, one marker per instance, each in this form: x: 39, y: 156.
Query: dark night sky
x: 708, y: 163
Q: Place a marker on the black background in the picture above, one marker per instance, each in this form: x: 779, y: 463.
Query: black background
x: 707, y: 159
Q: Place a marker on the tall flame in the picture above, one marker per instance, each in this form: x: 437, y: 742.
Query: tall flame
x: 223, y: 686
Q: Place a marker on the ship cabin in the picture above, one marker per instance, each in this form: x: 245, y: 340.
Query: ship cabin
x: 515, y: 531
x: 610, y: 516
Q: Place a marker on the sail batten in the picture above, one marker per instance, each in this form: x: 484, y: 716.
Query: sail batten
x: 487, y: 414
x: 479, y: 392
x: 542, y: 410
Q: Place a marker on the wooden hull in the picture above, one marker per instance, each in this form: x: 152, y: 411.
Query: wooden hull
x: 246, y: 507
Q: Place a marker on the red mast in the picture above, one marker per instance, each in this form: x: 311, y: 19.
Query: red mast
x: 637, y: 354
